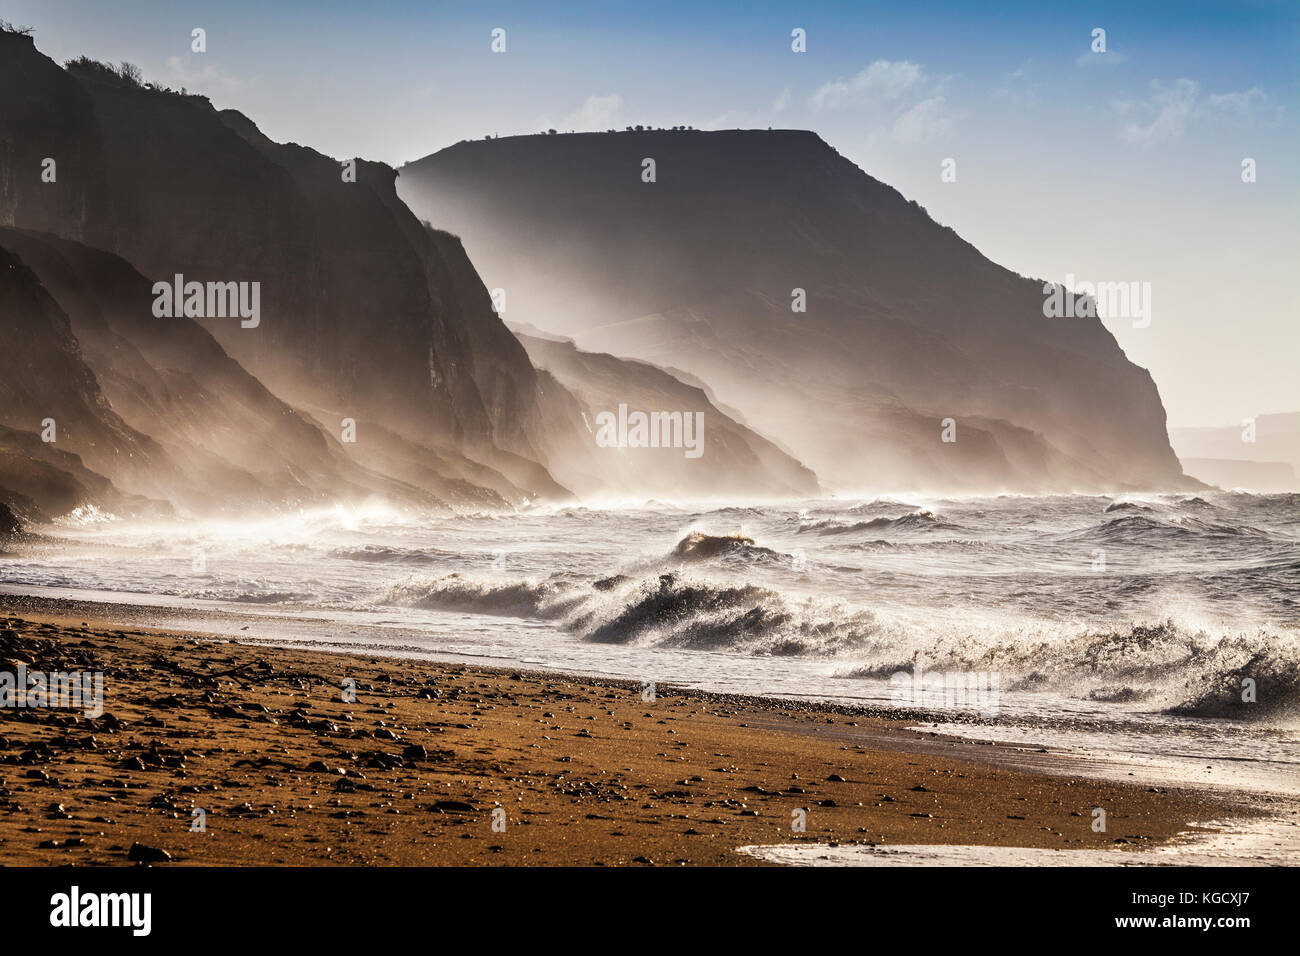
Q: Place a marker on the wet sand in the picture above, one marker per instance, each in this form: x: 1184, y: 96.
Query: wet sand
x: 438, y: 764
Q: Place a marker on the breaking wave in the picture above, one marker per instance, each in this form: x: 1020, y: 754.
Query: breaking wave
x: 666, y: 610
x: 547, y: 599
x: 920, y: 520
x: 1141, y: 529
x: 1178, y: 667
x: 882, y: 505
x: 380, y: 554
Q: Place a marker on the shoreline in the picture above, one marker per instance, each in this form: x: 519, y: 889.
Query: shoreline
x: 443, y: 763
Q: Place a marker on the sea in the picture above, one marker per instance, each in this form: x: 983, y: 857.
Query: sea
x: 1153, y: 638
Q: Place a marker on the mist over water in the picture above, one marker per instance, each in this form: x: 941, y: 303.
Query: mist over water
x: 1120, y: 623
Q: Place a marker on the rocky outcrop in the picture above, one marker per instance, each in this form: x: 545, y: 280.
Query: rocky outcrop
x: 705, y: 269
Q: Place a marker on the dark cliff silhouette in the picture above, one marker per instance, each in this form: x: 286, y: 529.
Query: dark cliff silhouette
x: 906, y: 324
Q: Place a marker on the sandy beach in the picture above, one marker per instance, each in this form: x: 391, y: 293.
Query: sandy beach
x: 447, y: 764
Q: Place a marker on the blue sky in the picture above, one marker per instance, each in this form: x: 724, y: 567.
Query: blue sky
x: 1122, y: 166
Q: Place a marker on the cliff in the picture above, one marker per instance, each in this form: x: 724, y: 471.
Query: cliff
x: 59, y: 436
x: 906, y: 324
x: 360, y: 313
x: 601, y: 383
x: 364, y: 313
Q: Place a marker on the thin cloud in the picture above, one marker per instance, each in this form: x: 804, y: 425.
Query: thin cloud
x: 897, y: 98
x: 1171, y: 108
x: 1248, y: 104
x: 881, y: 82
x: 924, y: 122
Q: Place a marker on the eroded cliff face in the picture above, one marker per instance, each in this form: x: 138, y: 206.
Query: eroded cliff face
x: 46, y: 115
x: 59, y: 436
x: 600, y: 384
x: 360, y: 315
x: 906, y: 324
x: 233, y: 442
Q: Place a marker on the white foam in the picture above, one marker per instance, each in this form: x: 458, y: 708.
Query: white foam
x: 1273, y: 842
